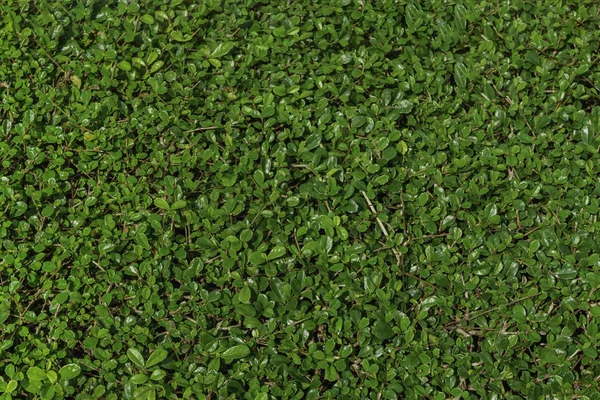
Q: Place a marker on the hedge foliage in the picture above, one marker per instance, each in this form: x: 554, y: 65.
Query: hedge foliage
x: 334, y: 199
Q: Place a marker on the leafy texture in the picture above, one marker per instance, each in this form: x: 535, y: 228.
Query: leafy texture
x: 299, y: 199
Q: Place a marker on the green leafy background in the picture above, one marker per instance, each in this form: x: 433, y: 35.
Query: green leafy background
x: 335, y: 199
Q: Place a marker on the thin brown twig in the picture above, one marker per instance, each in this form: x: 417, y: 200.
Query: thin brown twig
x: 202, y: 128
x: 49, y: 56
x: 382, y: 227
x: 425, y: 237
x: 510, y: 303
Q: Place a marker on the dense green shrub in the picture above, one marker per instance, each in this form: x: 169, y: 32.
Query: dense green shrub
x: 299, y: 199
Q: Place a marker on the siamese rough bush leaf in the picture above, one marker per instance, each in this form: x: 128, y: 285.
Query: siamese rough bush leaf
x: 299, y: 199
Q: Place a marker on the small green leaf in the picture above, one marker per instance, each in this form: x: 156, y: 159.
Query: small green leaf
x: 460, y: 75
x: 11, y: 386
x: 28, y: 117
x: 161, y: 203
x: 145, y: 392
x: 245, y: 295
x: 256, y: 258
x: 276, y: 252
x: 180, y: 37
x: 221, y: 50
x: 534, y: 246
x: 156, y: 357
x: 36, y: 374
x: 76, y: 81
x: 405, y: 106
x: 236, y: 352
x: 382, y: 330
x: 139, y: 379
x: 325, y: 221
x: 280, y: 90
x: 548, y: 356
x: 142, y: 240
x: 259, y: 177
x: 125, y: 65
x: 460, y: 17
x: 147, y: 19
x: 179, y: 204
x: 136, y: 357
x: 158, y: 374
x: 156, y: 66
x: 47, y: 211
x: 70, y: 371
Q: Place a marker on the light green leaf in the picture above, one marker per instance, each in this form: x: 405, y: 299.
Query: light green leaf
x: 222, y: 49
x: 70, y: 371
x: 36, y: 374
x: 136, y: 357
x: 11, y: 386
x: 125, y: 65
x: 147, y: 19
x: 179, y: 204
x: 161, y: 203
x: 28, y: 117
x: 245, y: 295
x: 156, y: 357
x: 180, y: 37
x: 276, y: 252
x: 460, y: 75
x: 382, y: 330
x: 236, y: 352
x: 405, y: 106
x: 460, y: 17
x: 139, y: 379
x: 76, y: 81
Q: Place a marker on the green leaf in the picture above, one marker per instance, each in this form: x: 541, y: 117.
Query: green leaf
x: 534, y: 246
x: 259, y: 177
x: 222, y: 49
x: 313, y: 141
x: 28, y: 117
x: 256, y: 258
x: 156, y: 66
x: 161, y: 203
x: 180, y: 37
x: 460, y: 75
x: 382, y: 330
x: 136, y: 357
x: 179, y: 204
x: 76, y: 81
x: 142, y: 240
x: 245, y: 295
x: 145, y: 392
x: 157, y: 356
x: 236, y: 352
x: 158, y: 375
x: 460, y: 17
x: 36, y: 374
x: 11, y: 386
x: 405, y: 106
x: 47, y: 211
x: 125, y: 65
x: 147, y: 19
x: 139, y: 379
x: 277, y: 252
x: 70, y: 371
x: 548, y: 356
